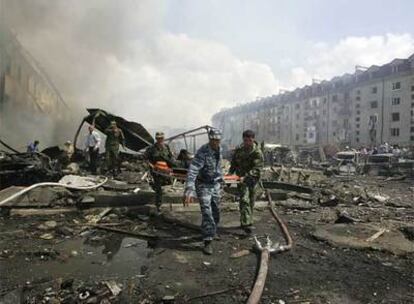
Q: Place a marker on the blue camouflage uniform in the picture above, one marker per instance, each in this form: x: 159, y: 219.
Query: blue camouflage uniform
x: 203, y: 180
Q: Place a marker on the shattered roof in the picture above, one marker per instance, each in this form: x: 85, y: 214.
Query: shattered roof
x: 136, y: 136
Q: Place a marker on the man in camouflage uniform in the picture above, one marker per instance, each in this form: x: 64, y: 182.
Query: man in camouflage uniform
x: 159, y: 152
x: 114, y: 138
x: 247, y: 163
x: 203, y: 180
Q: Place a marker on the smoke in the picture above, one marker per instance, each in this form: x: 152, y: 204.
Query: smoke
x: 118, y: 56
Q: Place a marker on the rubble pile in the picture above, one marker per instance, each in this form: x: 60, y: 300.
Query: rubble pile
x: 100, y: 239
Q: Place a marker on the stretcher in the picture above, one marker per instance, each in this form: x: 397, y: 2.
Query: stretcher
x: 162, y: 169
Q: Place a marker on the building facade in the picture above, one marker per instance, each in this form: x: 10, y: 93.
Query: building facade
x: 371, y: 106
x: 30, y: 105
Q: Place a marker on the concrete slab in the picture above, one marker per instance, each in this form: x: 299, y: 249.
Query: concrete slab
x: 356, y: 235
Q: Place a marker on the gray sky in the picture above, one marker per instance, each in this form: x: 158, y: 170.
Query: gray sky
x: 281, y: 33
x: 176, y: 63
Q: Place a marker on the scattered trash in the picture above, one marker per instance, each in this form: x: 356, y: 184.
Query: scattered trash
x: 47, y: 236
x: 240, y: 254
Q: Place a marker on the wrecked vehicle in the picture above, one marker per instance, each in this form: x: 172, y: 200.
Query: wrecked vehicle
x: 24, y: 169
x: 387, y: 164
x: 347, y: 162
x: 277, y: 154
x: 380, y: 164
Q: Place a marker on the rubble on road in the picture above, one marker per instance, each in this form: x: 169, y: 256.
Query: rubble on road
x: 93, y: 239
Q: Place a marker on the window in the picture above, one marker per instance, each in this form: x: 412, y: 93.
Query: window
x: 357, y: 132
x: 412, y: 88
x: 358, y: 92
x: 297, y: 116
x: 358, y: 98
x: 412, y: 130
x: 357, y: 139
x: 334, y: 98
x: 357, y: 119
x: 396, y: 86
x: 357, y: 126
x: 412, y: 138
x: 297, y: 106
x: 324, y: 112
x: 324, y: 100
x: 358, y: 112
x: 297, y: 137
x: 357, y: 106
x: 395, y: 101
x: 412, y: 96
x: 374, y: 104
x: 395, y: 132
x: 374, y: 90
x: 395, y: 116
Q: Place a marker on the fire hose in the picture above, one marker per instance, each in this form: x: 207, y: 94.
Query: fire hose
x: 265, y: 252
x: 51, y: 184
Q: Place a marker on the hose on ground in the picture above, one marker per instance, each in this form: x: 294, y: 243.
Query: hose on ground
x: 50, y: 184
x: 259, y: 283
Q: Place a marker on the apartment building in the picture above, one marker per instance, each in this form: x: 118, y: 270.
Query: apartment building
x: 370, y: 106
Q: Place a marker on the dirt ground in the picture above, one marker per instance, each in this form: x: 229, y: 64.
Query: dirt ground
x: 78, y: 258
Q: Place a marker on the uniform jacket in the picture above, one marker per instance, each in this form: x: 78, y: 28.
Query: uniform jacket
x: 155, y: 154
x: 247, y: 163
x: 114, y: 138
x: 205, y: 168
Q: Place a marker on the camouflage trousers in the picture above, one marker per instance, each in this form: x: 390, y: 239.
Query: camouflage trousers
x: 112, y: 160
x: 209, y: 199
x: 247, y: 196
x: 156, y: 185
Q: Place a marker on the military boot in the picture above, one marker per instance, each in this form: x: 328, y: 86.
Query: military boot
x: 208, y: 249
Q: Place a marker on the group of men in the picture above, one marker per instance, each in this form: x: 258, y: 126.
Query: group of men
x: 205, y: 179
x: 114, y: 138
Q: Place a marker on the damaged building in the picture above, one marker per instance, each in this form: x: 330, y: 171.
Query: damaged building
x: 27, y: 94
x: 371, y: 106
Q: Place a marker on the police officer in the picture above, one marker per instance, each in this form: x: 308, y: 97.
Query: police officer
x: 159, y: 152
x: 203, y: 180
x: 114, y: 138
x: 247, y: 163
